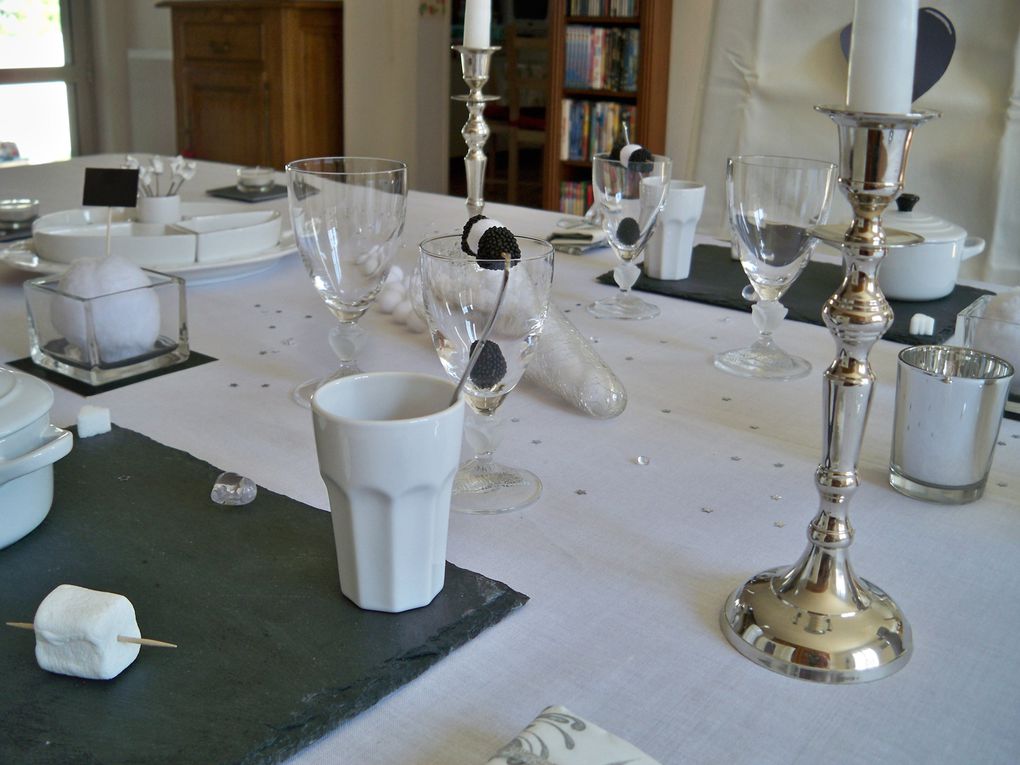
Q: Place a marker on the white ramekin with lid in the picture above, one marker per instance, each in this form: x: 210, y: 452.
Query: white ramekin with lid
x: 29, y: 445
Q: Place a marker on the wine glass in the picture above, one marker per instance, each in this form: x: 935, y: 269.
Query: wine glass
x: 347, y: 214
x: 461, y: 296
x: 773, y: 204
x: 629, y: 197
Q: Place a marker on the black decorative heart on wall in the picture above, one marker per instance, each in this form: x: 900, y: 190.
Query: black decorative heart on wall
x: 936, y: 43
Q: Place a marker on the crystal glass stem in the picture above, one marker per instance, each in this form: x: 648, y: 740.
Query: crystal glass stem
x: 816, y: 620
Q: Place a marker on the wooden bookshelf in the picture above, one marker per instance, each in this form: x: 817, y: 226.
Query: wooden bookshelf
x: 649, y: 99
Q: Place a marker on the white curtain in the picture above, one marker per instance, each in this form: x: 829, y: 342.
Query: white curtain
x: 770, y: 61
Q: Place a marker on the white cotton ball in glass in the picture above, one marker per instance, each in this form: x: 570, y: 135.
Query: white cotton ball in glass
x: 124, y: 309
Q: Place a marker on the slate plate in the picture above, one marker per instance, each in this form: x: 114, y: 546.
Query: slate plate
x: 717, y: 279
x: 271, y: 655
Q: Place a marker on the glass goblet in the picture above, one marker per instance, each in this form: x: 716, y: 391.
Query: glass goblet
x: 629, y: 197
x: 773, y: 204
x: 461, y: 296
x: 347, y: 214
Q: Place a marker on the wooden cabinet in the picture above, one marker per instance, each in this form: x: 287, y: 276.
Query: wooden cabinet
x: 258, y: 82
x: 649, y: 21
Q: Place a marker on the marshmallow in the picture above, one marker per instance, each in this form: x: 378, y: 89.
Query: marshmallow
x: 125, y: 315
x: 93, y: 420
x: 76, y: 633
x: 477, y: 229
x: 921, y: 324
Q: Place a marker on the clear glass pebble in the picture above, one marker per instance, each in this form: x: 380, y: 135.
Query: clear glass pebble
x: 642, y: 460
x: 233, y: 489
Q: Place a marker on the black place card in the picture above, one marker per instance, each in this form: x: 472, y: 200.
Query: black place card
x: 110, y: 187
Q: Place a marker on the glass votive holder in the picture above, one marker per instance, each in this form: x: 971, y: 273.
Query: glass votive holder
x: 992, y: 324
x: 110, y: 337
x: 255, y: 178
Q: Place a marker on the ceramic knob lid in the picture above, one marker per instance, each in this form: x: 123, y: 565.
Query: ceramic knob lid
x: 932, y: 228
x: 23, y: 399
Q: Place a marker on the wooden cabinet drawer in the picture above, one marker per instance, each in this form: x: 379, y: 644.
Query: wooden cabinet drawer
x: 210, y: 39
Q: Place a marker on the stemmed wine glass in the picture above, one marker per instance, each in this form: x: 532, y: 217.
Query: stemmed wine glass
x: 630, y: 196
x: 461, y: 296
x: 347, y: 214
x: 773, y: 204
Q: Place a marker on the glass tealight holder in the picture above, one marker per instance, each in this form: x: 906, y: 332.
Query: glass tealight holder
x: 110, y: 337
x: 992, y: 324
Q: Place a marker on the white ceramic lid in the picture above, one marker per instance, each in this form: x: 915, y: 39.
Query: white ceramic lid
x: 932, y: 228
x: 23, y: 399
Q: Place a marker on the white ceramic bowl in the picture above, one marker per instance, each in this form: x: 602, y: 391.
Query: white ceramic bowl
x: 29, y: 445
x: 926, y: 271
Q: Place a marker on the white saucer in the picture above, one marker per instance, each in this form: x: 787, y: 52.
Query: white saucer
x: 21, y: 255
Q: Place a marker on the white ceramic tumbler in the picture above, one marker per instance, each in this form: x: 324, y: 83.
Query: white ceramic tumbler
x: 668, y: 254
x: 388, y: 446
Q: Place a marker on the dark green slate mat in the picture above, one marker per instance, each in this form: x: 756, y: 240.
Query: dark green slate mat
x: 271, y: 655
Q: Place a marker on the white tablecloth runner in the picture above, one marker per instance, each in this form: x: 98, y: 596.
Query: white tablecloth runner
x: 627, y: 565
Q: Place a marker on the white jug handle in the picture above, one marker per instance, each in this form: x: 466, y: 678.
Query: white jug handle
x: 58, y: 445
x: 973, y: 245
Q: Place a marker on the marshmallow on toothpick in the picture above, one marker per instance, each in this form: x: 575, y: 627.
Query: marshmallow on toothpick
x: 77, y: 631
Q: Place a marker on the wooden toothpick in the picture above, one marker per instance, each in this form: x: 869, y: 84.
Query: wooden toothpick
x: 120, y: 638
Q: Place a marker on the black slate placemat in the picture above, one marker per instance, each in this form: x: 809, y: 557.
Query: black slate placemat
x: 276, y: 191
x: 271, y: 656
x: 85, y: 389
x: 717, y: 279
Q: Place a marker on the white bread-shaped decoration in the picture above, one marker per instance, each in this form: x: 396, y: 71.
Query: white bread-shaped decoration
x: 76, y: 633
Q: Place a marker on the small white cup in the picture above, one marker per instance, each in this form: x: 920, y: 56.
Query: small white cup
x: 388, y: 446
x: 158, y: 209
x: 668, y: 254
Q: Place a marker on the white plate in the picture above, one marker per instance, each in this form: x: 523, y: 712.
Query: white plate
x: 22, y: 256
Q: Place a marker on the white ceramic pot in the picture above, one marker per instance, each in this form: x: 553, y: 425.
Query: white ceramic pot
x: 29, y: 445
x: 158, y: 209
x: 924, y: 271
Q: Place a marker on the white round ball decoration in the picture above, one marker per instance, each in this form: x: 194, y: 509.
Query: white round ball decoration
x: 125, y: 318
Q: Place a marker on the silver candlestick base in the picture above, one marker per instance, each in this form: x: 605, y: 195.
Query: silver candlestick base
x: 816, y: 620
x: 475, y: 63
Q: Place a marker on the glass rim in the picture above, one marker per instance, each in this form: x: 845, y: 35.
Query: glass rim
x: 459, y: 254
x: 915, y: 356
x: 384, y: 166
x: 779, y: 160
x: 603, y: 156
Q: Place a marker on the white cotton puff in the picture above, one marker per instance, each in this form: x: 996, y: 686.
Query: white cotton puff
x: 125, y: 315
x: 415, y: 323
x: 93, y: 420
x: 76, y: 633
x: 998, y: 332
x: 391, y: 296
x: 396, y: 275
x: 402, y: 312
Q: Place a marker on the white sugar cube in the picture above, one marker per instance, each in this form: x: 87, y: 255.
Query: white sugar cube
x: 76, y: 633
x: 921, y: 324
x: 93, y: 420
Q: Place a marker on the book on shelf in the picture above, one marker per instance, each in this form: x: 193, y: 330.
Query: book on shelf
x: 590, y: 127
x: 627, y: 8
x: 575, y: 197
x: 601, y: 58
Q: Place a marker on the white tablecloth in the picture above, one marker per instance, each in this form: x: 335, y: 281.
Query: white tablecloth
x: 627, y: 565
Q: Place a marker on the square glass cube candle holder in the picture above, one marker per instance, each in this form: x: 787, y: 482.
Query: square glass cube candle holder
x: 997, y: 335
x: 110, y: 337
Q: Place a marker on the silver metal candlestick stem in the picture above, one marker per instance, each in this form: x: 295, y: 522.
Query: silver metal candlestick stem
x: 816, y: 620
x: 475, y: 63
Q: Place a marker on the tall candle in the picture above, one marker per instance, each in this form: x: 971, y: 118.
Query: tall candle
x: 883, y: 46
x: 477, y: 20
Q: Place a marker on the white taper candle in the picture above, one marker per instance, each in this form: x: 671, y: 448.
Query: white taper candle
x: 477, y: 20
x: 883, y: 46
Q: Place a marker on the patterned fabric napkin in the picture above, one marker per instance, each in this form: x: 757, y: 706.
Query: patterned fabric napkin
x: 557, y: 737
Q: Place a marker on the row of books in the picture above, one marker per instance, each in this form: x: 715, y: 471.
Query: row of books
x: 589, y: 127
x: 602, y: 58
x: 575, y: 197
x: 603, y: 8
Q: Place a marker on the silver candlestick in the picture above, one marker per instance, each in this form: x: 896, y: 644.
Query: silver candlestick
x: 816, y: 620
x: 475, y: 63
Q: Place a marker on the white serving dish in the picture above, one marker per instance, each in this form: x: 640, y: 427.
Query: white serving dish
x: 29, y: 445
x: 66, y: 236
x: 925, y: 271
x: 226, y: 237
